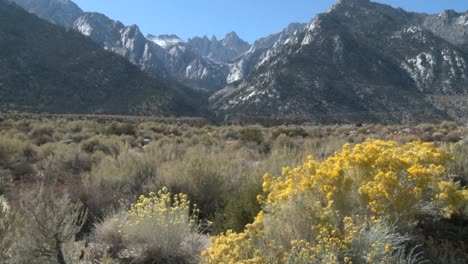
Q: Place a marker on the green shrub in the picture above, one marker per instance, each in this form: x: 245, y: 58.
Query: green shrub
x: 42, y: 135
x: 21, y: 168
x: 448, y: 125
x: 108, y: 145
x: 290, y: 132
x: 240, y: 209
x: 15, y: 156
x: 10, y: 150
x: 121, y: 129
x: 252, y: 134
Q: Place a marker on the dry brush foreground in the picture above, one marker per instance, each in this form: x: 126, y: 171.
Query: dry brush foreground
x: 125, y: 190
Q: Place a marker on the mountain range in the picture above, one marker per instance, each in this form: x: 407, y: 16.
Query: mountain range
x: 358, y: 62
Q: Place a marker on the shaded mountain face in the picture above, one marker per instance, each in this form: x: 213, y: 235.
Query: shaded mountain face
x: 359, y: 62
x: 47, y: 68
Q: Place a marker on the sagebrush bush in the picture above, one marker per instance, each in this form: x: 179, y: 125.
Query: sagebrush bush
x: 458, y: 166
x: 7, y: 231
x: 42, y: 134
x: 352, y: 207
x: 10, y: 150
x: 207, y: 175
x: 16, y: 157
x: 112, y: 145
x: 46, y: 223
x: 126, y: 173
x: 290, y: 132
x: 62, y: 161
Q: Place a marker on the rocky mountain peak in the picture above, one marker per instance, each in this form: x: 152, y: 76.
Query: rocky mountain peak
x: 231, y: 39
x: 350, y: 3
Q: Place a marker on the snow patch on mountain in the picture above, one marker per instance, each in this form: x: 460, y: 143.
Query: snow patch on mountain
x: 420, y: 68
x: 236, y: 72
x: 165, y: 41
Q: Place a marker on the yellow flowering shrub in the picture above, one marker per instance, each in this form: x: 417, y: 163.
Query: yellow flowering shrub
x: 346, y: 209
x: 158, y: 227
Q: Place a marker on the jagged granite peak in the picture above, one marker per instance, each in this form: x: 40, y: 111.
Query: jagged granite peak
x: 232, y: 39
x: 165, y: 41
x: 61, y: 12
x: 201, y: 44
x: 224, y: 50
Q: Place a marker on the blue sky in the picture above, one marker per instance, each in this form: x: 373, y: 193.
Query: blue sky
x: 251, y: 19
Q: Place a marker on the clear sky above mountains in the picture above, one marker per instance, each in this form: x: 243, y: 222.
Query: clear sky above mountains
x: 251, y: 19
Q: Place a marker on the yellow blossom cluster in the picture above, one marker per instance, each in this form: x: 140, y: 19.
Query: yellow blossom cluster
x: 160, y: 207
x: 343, y: 198
x: 159, y: 212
